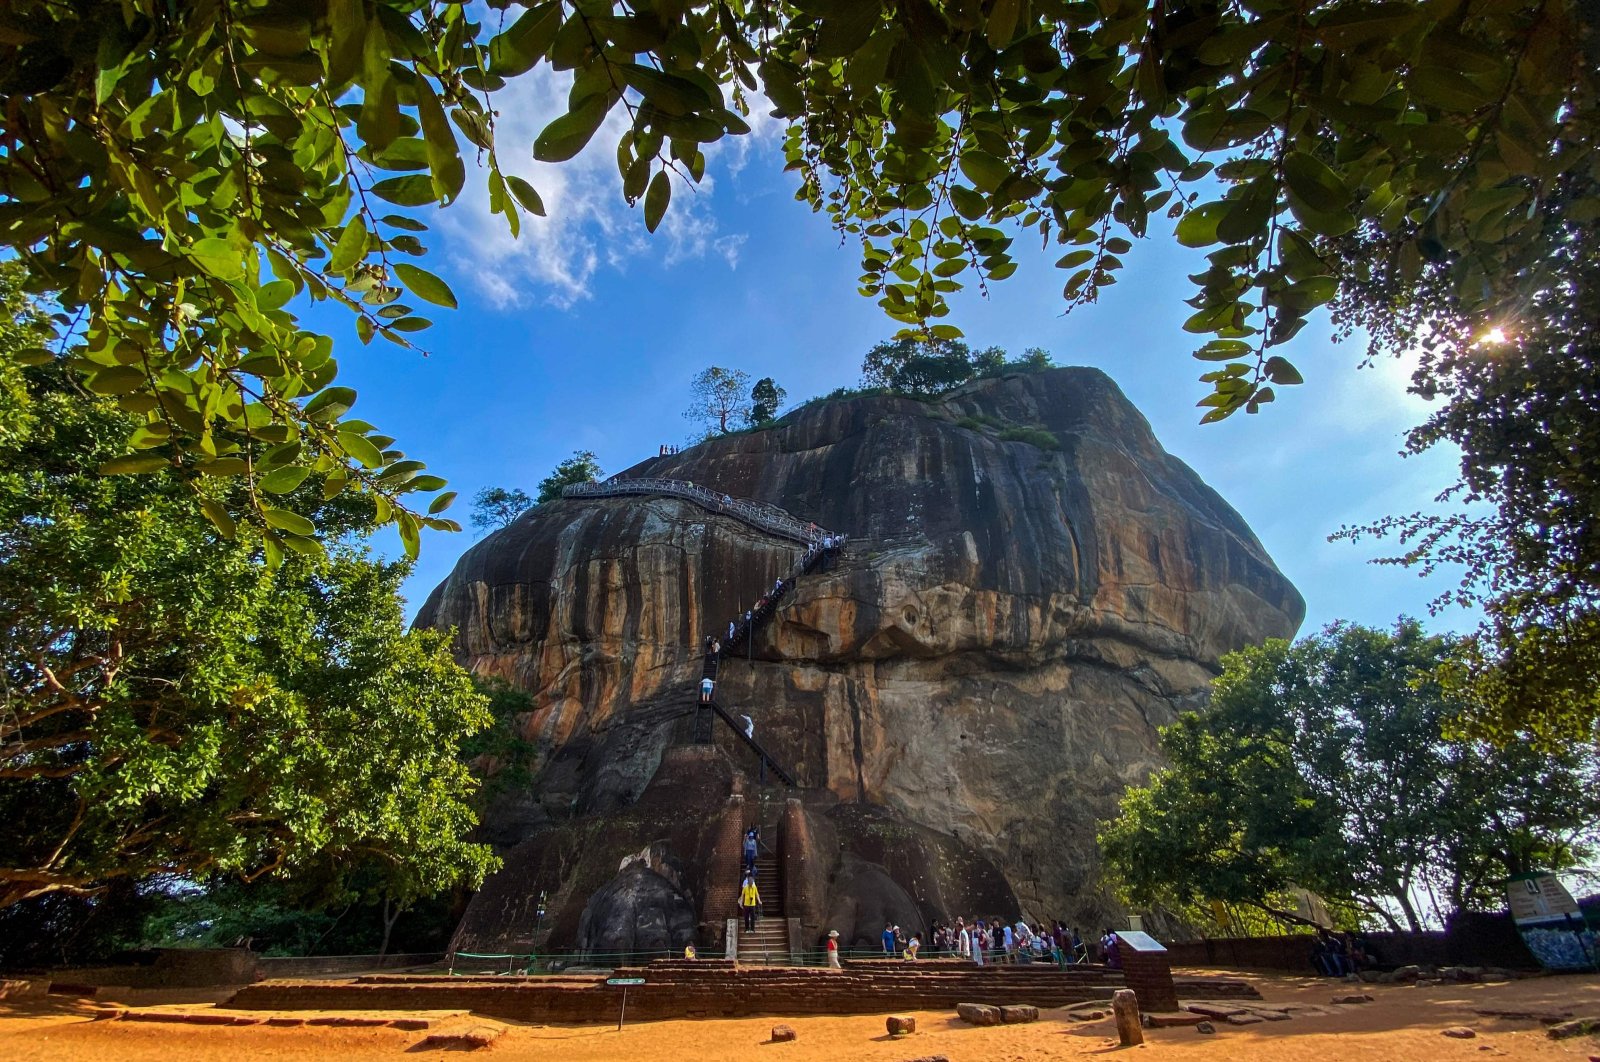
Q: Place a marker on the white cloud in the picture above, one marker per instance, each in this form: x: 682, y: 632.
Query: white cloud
x: 588, y: 225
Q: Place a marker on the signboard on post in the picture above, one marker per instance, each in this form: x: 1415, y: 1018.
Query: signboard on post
x: 1551, y: 923
x: 623, y: 983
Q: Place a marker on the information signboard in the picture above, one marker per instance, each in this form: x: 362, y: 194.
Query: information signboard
x: 1551, y: 923
x: 1134, y: 940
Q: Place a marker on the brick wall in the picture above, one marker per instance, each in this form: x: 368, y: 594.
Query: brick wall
x: 795, y: 855
x: 722, y: 871
x: 1472, y: 940
x: 719, y: 988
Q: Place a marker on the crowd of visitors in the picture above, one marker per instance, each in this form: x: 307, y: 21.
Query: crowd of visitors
x: 1341, y: 954
x: 987, y: 941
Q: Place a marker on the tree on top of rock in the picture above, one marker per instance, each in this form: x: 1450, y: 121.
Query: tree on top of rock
x: 497, y: 507
x: 581, y: 467
x: 766, y: 397
x: 719, y: 401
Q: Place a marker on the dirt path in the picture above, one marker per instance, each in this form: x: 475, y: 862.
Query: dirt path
x: 1403, y: 1024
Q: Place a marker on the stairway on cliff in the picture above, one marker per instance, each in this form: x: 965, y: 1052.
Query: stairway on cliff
x: 768, y: 943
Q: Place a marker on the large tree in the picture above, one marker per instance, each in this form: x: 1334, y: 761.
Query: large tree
x: 173, y: 706
x: 497, y: 507
x: 178, y: 175
x: 719, y: 401
x: 581, y: 467
x: 1324, y: 765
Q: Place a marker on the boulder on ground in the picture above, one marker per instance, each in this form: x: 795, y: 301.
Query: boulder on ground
x: 1245, y: 1019
x: 1206, y: 1028
x: 899, y: 1026
x: 1171, y: 1019
x: 1018, y: 1013
x: 1360, y: 998
x: 978, y: 1013
x: 1577, y: 1027
x: 1458, y: 1032
x: 782, y: 1034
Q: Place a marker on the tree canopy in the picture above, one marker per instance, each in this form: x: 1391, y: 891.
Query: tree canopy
x: 173, y: 706
x: 1324, y: 765
x: 496, y: 507
x: 932, y: 366
x: 177, y: 177
x: 766, y: 398
x: 719, y: 401
x: 581, y: 467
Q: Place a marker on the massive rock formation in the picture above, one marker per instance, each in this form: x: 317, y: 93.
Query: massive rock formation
x: 961, y: 696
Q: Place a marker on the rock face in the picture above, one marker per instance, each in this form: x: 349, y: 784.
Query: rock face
x: 962, y: 695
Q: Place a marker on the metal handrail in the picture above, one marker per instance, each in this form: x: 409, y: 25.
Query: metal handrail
x: 757, y: 514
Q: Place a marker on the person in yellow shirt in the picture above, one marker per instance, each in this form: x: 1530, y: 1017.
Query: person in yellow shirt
x: 749, y: 900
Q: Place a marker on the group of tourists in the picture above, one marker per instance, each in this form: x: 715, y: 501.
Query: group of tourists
x: 990, y: 941
x: 740, y: 627
x: 1341, y: 954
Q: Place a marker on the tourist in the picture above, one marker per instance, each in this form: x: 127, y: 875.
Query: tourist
x: 731, y: 626
x: 750, y: 851
x: 777, y: 588
x: 833, y: 949
x: 977, y: 941
x: 1108, y: 945
x: 889, y: 936
x: 1080, y: 951
x: 706, y: 686
x: 716, y: 647
x: 963, y: 939
x: 689, y: 952
x: 749, y: 900
x: 749, y: 726
x: 1009, y: 942
x: 911, y: 947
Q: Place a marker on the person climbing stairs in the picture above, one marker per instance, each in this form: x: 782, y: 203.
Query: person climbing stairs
x: 768, y: 943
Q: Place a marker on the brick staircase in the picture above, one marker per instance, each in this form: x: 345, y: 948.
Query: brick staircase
x: 768, y: 943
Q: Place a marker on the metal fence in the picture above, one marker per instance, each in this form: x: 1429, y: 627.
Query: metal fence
x: 757, y: 514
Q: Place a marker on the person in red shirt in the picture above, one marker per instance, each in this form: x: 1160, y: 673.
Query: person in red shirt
x: 833, y: 948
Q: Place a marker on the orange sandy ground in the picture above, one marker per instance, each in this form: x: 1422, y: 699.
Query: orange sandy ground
x: 1403, y: 1023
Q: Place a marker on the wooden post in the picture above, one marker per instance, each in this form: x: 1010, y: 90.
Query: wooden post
x: 1125, y: 1006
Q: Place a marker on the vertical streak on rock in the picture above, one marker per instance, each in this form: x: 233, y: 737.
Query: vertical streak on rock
x: 853, y: 690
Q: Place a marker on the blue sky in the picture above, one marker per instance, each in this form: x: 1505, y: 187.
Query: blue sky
x: 585, y: 333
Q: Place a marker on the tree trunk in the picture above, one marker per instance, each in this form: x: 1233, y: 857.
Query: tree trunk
x: 1411, y: 914
x: 391, y: 915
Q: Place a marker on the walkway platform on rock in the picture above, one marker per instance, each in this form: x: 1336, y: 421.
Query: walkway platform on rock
x: 760, y: 515
x: 677, y: 988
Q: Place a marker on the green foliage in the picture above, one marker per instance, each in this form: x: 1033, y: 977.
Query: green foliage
x: 925, y: 367
x: 172, y: 706
x: 931, y: 367
x: 718, y: 401
x: 178, y: 177
x: 496, y: 507
x: 581, y: 467
x: 1322, y: 765
x: 501, y: 756
x: 1044, y: 440
x: 766, y: 397
x: 277, y: 918
x: 1524, y: 410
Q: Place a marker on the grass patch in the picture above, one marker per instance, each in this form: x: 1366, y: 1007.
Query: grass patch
x: 1044, y: 440
x: 979, y: 421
